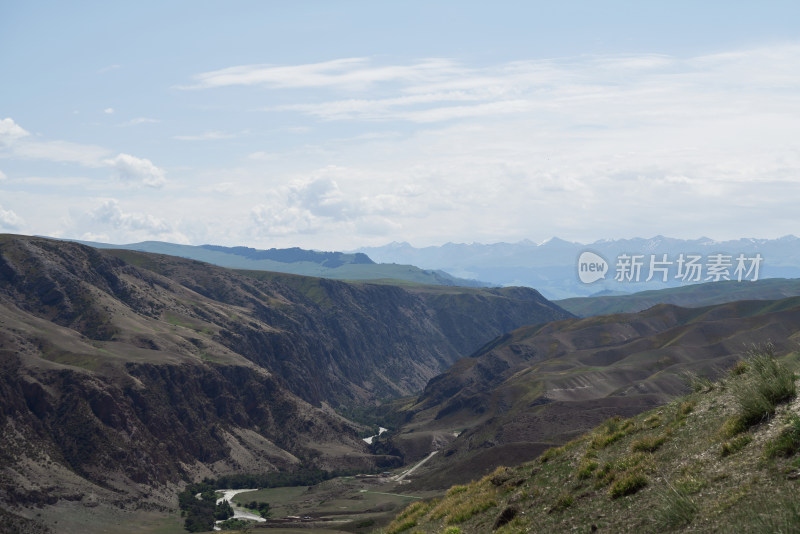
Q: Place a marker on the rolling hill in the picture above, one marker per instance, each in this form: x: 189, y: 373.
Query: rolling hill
x: 543, y: 385
x: 692, y: 296
x: 680, y: 467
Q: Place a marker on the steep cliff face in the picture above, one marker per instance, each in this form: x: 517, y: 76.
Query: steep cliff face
x: 120, y: 429
x: 325, y: 340
x: 127, y: 371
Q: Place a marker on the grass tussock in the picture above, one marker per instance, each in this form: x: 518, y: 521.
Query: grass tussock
x: 648, y: 443
x: 735, y: 445
x: 408, y: 518
x: 759, y: 389
x: 611, y: 431
x: 466, y: 510
x: 787, y: 443
x: 685, y: 408
x: 463, y: 502
x: 698, y: 383
x: 627, y: 485
x: 654, y: 421
x: 675, y: 508
x: 586, y: 468
x: 551, y: 453
x: 785, y: 519
x: 739, y: 368
x: 564, y: 501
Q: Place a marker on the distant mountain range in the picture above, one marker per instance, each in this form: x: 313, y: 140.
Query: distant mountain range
x: 552, y: 267
x: 335, y: 265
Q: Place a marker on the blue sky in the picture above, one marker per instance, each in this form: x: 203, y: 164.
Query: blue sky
x: 333, y: 125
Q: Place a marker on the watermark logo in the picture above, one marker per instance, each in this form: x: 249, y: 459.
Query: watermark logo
x: 591, y: 267
x: 662, y: 267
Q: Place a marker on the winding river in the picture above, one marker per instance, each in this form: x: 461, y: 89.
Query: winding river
x: 238, y: 513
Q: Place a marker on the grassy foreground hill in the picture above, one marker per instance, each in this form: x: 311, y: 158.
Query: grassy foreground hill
x: 724, y: 458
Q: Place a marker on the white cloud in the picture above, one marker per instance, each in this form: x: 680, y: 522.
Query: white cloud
x: 10, y: 220
x: 262, y: 156
x: 349, y: 73
x: 137, y: 170
x: 62, y: 151
x: 647, y: 88
x: 207, y: 136
x: 22, y: 144
x: 302, y: 206
x: 111, y: 214
x: 3, y: 176
x: 10, y: 131
x: 108, y: 111
x: 318, y: 204
x: 225, y: 188
x: 373, y: 108
x: 140, y: 120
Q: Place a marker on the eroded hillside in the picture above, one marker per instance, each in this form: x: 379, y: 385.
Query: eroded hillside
x: 126, y: 373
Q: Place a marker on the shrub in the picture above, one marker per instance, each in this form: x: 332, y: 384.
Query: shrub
x: 234, y: 524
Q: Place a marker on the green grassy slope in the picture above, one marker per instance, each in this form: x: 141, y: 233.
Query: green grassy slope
x: 691, y: 465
